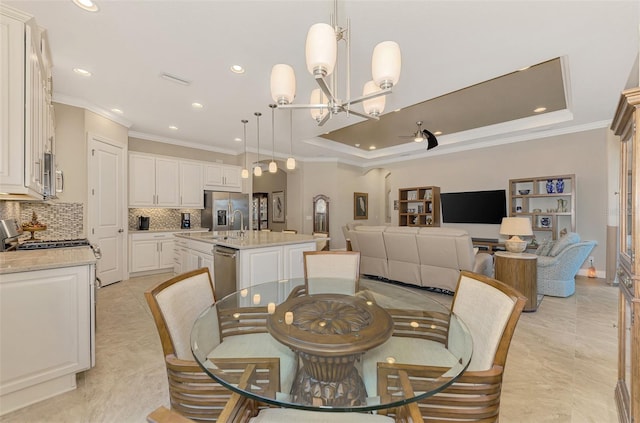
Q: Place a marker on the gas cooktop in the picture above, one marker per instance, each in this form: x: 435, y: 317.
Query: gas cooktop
x: 41, y: 245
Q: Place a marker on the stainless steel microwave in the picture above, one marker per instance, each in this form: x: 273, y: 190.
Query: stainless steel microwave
x: 53, y: 179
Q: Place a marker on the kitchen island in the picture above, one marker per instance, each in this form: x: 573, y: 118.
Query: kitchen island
x: 47, y: 320
x: 259, y: 256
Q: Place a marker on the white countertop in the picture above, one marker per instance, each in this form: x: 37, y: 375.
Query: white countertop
x: 174, y: 230
x: 28, y: 260
x: 251, y: 239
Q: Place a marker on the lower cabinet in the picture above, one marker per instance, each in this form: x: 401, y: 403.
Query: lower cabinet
x: 46, y: 322
x: 151, y: 251
x: 190, y: 255
x: 260, y: 265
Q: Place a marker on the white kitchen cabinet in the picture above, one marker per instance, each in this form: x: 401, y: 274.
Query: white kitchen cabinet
x: 191, y: 188
x: 293, y: 256
x: 26, y: 121
x: 193, y: 255
x: 46, y: 323
x: 166, y: 183
x: 221, y: 177
x: 153, y: 181
x: 159, y: 181
x: 152, y: 251
x: 259, y: 265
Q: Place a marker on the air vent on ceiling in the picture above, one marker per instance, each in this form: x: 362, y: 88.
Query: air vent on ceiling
x: 175, y: 79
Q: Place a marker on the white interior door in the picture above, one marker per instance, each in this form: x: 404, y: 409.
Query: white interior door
x: 106, y: 208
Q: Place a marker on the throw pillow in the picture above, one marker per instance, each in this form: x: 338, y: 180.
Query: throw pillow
x: 564, y: 242
x: 544, y: 248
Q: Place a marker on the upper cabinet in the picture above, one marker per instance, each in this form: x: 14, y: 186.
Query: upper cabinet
x: 26, y: 117
x: 191, y: 188
x: 222, y: 177
x: 159, y: 181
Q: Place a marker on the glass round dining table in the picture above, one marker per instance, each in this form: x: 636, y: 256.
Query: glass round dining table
x: 362, y: 347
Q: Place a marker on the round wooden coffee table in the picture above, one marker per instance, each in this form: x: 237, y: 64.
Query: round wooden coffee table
x: 329, y: 332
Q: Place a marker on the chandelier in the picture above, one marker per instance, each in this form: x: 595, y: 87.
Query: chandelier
x: 321, y: 55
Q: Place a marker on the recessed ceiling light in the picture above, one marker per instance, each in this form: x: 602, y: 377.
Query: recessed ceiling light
x: 173, y: 127
x: 118, y: 111
x: 237, y: 69
x: 539, y: 109
x: 82, y: 72
x: 87, y: 5
x: 437, y: 133
x: 372, y: 147
x: 236, y: 139
x: 357, y: 145
x: 197, y: 105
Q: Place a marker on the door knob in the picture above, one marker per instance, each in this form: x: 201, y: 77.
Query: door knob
x: 120, y: 230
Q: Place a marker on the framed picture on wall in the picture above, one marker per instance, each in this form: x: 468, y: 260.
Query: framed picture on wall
x: 278, y: 206
x: 360, y: 205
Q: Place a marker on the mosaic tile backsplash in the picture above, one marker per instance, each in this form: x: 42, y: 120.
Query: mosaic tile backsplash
x: 63, y: 220
x: 163, y: 218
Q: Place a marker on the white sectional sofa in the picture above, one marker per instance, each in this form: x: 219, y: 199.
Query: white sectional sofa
x: 429, y: 257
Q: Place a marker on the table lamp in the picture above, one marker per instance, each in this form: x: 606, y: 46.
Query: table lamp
x: 515, y: 227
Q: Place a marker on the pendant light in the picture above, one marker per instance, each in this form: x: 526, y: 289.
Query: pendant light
x: 291, y: 162
x: 273, y: 167
x: 245, y: 171
x: 257, y: 171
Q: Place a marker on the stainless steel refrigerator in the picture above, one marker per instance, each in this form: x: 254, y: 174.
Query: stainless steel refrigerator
x: 218, y: 207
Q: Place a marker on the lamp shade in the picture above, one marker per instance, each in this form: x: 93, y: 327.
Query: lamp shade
x: 321, y: 49
x: 516, y: 226
x: 291, y: 163
x: 386, y: 64
x: 373, y: 106
x: 244, y: 174
x: 273, y: 167
x: 257, y: 171
x: 283, y: 84
x: 318, y: 97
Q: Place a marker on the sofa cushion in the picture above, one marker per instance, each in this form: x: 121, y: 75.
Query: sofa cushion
x: 564, y: 242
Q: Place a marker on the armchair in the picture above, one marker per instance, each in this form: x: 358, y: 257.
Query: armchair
x: 558, y: 263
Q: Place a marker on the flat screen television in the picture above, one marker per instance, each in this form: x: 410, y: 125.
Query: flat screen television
x: 474, y: 206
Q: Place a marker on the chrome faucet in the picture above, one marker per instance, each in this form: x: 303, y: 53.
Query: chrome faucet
x: 233, y: 218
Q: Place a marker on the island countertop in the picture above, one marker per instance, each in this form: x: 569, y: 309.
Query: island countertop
x: 28, y: 260
x: 251, y: 239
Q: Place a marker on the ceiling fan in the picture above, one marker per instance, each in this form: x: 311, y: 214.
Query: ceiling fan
x: 421, y: 134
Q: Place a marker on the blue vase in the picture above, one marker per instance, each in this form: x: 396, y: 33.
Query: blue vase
x: 560, y: 185
x: 549, y: 186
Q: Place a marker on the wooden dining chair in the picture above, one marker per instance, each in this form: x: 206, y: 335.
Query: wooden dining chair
x: 491, y: 310
x: 175, y: 305
x: 321, y: 268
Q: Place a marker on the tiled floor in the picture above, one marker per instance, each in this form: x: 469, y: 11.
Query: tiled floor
x: 561, y: 366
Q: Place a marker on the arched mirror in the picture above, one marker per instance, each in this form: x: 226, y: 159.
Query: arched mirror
x: 321, y: 213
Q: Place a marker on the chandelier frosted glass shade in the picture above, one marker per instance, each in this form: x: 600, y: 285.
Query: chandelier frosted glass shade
x: 273, y: 167
x: 257, y: 171
x: 373, y: 106
x: 321, y: 49
x: 386, y: 64
x: 318, y: 97
x: 291, y: 163
x: 283, y: 84
x: 244, y: 174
